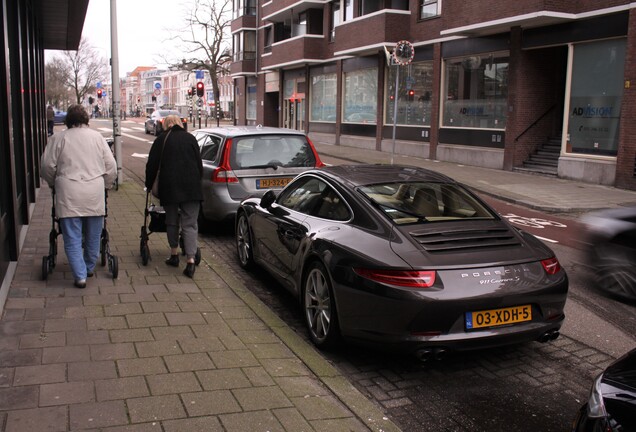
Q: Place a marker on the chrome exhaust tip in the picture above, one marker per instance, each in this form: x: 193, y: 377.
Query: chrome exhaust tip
x: 440, y: 353
x: 423, y: 354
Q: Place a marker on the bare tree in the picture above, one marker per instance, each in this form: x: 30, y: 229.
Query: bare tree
x: 206, y: 40
x: 85, y: 68
x: 56, y: 78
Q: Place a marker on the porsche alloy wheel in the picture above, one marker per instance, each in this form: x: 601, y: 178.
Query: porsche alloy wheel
x: 244, y: 242
x: 319, y: 307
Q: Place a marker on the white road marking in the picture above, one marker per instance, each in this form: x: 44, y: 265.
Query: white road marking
x: 137, y: 138
x: 546, y: 239
x: 140, y: 155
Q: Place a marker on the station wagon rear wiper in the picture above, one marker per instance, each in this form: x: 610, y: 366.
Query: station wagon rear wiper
x: 261, y: 166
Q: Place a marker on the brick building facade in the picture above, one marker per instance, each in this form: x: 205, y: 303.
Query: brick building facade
x: 541, y: 86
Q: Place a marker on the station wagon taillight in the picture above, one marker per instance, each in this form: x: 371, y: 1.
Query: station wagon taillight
x: 319, y: 163
x: 223, y: 174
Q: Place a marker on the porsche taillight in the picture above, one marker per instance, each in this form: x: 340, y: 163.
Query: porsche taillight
x: 402, y: 278
x: 223, y: 173
x: 551, y: 265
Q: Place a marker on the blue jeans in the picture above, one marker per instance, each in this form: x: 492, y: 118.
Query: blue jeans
x: 78, y: 230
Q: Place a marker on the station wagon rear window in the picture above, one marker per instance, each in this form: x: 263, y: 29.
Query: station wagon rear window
x: 271, y: 151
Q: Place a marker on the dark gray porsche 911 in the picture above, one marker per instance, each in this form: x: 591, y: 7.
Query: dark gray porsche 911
x: 404, y: 257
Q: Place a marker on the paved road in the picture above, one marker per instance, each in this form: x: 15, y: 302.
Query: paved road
x: 531, y: 387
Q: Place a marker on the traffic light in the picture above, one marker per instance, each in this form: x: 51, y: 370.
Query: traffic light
x: 189, y: 92
x: 99, y: 93
x: 411, y: 95
x: 200, y: 89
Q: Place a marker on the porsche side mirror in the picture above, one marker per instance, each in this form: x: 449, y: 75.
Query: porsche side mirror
x: 268, y: 199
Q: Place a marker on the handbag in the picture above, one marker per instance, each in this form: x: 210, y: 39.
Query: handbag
x: 155, y: 184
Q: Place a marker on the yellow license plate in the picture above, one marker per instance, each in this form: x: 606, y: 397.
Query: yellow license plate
x: 272, y: 183
x: 498, y: 317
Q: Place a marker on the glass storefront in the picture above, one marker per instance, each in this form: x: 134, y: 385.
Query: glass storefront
x: 323, y: 98
x: 360, y: 96
x: 476, y: 92
x: 595, y: 97
x: 415, y: 87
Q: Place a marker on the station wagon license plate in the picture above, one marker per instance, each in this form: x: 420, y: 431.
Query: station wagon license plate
x: 269, y: 183
x: 498, y: 317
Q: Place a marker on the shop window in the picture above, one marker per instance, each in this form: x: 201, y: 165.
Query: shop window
x: 323, y: 98
x: 415, y: 87
x: 595, y: 97
x: 360, y: 96
x: 476, y: 92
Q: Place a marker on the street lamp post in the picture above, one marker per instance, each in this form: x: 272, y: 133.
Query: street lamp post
x: 115, y: 96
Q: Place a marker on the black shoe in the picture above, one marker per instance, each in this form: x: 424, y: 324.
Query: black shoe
x: 90, y: 274
x: 189, y: 270
x: 80, y: 283
x: 173, y: 261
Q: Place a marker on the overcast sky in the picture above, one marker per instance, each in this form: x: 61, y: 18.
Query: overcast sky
x: 142, y: 28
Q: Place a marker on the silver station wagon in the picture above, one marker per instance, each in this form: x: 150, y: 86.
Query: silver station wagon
x: 244, y: 161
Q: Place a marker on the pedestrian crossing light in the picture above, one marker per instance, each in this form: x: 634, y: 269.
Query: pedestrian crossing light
x: 99, y: 93
x: 189, y: 92
x: 200, y: 89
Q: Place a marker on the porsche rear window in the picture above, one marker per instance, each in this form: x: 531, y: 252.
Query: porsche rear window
x: 406, y: 203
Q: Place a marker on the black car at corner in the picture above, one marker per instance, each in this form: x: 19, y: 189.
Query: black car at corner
x: 402, y: 257
x: 612, y: 403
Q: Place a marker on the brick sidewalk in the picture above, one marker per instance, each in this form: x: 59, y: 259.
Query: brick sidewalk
x: 156, y: 351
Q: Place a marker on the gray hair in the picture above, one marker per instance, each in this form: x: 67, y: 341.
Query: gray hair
x: 172, y: 120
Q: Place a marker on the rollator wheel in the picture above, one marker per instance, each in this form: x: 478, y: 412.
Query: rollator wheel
x: 45, y: 267
x: 197, y: 257
x: 145, y: 253
x: 113, y: 266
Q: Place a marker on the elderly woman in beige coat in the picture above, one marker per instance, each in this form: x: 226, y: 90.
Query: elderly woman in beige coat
x: 78, y: 164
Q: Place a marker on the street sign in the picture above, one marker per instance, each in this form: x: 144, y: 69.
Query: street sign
x: 158, y: 85
x: 157, y: 92
x: 199, y: 74
x: 403, y: 53
x: 99, y: 84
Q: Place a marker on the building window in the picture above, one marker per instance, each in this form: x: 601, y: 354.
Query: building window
x: 244, y: 45
x: 335, y: 19
x: 269, y: 39
x: 250, y: 114
x: 415, y: 87
x: 348, y: 10
x: 361, y: 96
x: 323, y: 98
x: 430, y: 8
x: 595, y: 97
x: 476, y: 90
x: 244, y: 7
x: 369, y: 6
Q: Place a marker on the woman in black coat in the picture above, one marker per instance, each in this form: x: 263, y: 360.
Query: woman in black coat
x: 176, y: 157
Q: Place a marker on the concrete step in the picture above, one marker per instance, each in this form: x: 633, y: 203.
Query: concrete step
x: 537, y: 169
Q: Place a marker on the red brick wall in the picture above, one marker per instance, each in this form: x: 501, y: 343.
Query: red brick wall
x: 626, y: 158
